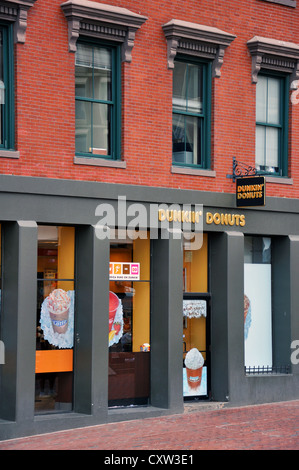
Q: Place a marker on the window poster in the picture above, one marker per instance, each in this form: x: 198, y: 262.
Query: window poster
x: 194, y: 374
x: 57, y: 318
x: 115, y: 319
x: 257, y: 315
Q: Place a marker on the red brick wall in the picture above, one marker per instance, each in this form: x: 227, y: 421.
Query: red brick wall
x: 45, y: 102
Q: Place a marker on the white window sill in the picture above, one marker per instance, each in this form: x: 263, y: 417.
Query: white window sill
x: 99, y: 162
x: 278, y: 179
x: 193, y: 171
x: 9, y: 154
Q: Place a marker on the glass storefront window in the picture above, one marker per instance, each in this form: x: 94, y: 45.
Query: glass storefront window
x: 257, y: 302
x: 55, y: 319
x: 195, y: 317
x: 129, y: 322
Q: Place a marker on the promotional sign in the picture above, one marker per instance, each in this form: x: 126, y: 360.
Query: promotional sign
x: 257, y: 315
x: 57, y: 318
x: 251, y: 191
x: 124, y: 271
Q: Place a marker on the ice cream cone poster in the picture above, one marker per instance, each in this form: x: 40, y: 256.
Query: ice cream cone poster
x: 57, y: 318
x: 194, y: 374
x: 115, y: 319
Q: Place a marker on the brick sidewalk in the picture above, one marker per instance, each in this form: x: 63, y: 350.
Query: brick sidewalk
x: 269, y: 427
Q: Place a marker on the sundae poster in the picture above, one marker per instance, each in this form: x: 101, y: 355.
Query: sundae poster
x: 194, y: 374
x: 257, y: 315
x: 57, y: 318
x: 201, y: 390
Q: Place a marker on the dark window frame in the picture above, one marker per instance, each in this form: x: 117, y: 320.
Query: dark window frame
x: 204, y: 116
x: 283, y: 122
x: 7, y: 137
x: 114, y: 103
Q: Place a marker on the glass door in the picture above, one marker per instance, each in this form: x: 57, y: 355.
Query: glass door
x: 55, y: 319
x: 196, y: 320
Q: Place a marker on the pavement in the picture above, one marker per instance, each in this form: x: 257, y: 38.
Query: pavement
x: 202, y: 426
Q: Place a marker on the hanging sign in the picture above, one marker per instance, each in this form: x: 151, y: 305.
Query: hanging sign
x: 124, y: 271
x: 250, y: 191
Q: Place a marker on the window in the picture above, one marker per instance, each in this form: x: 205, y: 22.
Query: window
x: 196, y: 318
x: 98, y: 76
x: 274, y: 71
x: 55, y: 319
x: 97, y: 101
x: 6, y: 88
x: 129, y: 322
x: 271, y: 124
x: 257, y: 302
x: 266, y: 329
x: 195, y: 53
x: 191, y: 111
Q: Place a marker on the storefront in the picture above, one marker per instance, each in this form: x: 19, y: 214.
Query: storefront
x: 100, y: 328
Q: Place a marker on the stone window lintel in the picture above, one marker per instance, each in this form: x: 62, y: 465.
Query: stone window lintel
x: 16, y: 11
x: 273, y: 54
x: 287, y: 3
x: 102, y: 21
x: 198, y: 40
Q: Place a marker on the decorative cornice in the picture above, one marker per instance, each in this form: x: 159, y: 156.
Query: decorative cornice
x: 16, y: 12
x: 195, y: 39
x: 103, y: 21
x: 287, y: 3
x: 276, y: 55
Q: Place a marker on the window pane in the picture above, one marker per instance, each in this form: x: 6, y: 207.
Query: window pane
x: 186, y: 139
x: 83, y: 126
x: 179, y: 86
x: 93, y: 72
x: 178, y: 136
x: 266, y: 148
x: 272, y: 147
x: 193, y: 138
x: 273, y: 100
x: 83, y: 72
x: 101, y: 126
x: 260, y: 136
x: 268, y: 100
x: 261, y: 99
x: 102, y: 74
x: 194, y: 92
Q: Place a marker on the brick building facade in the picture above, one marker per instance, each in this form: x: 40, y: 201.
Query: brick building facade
x: 125, y: 103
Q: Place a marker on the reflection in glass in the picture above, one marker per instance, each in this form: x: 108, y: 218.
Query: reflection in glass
x: 186, y: 139
x: 83, y: 126
x: 101, y: 125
